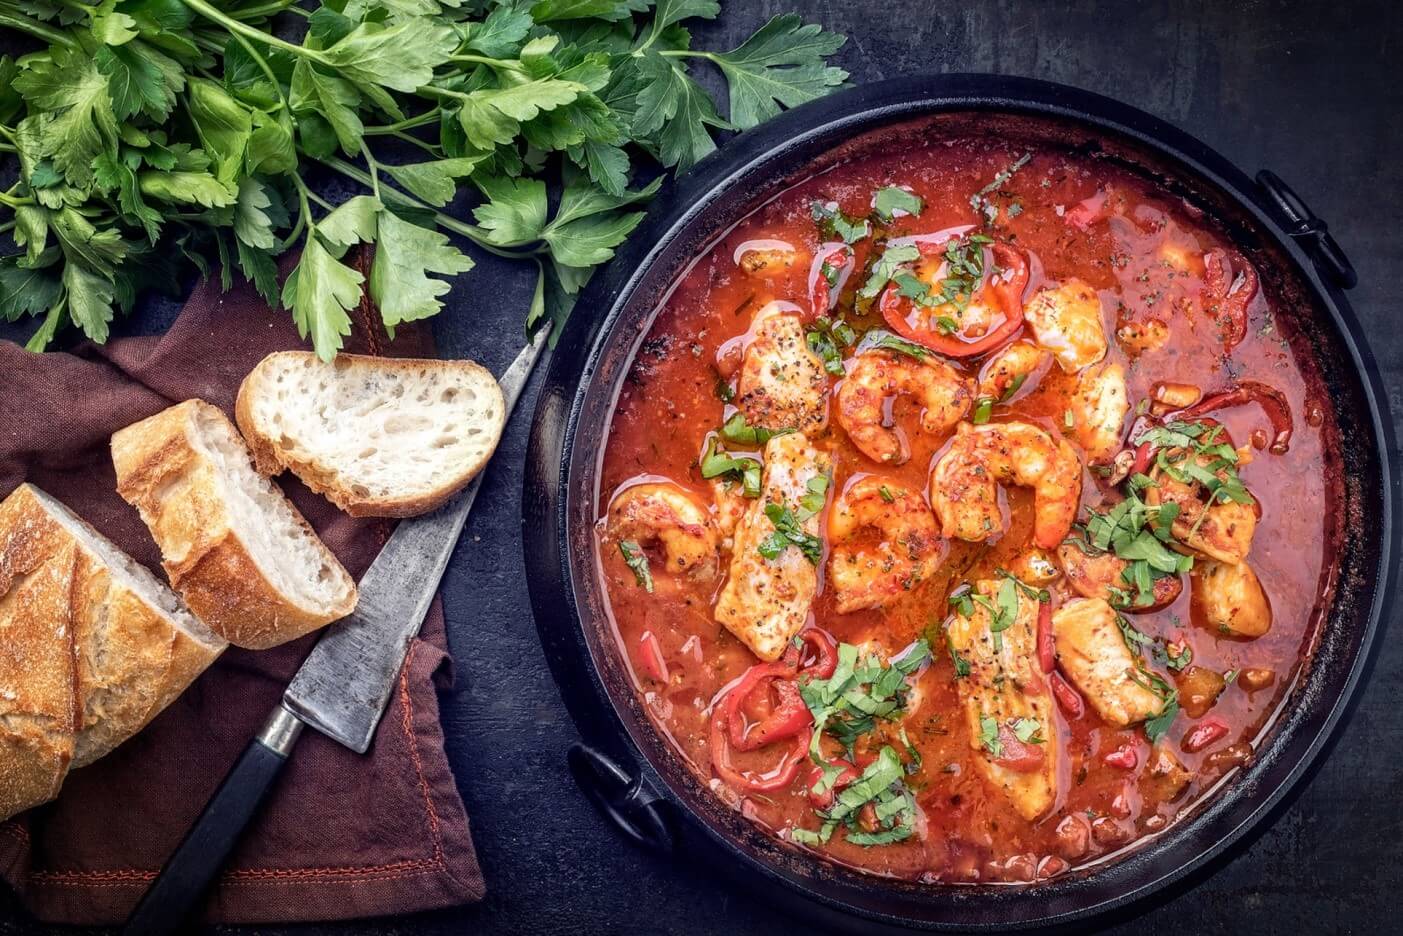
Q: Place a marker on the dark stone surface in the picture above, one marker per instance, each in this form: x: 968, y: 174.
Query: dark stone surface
x: 1309, y: 90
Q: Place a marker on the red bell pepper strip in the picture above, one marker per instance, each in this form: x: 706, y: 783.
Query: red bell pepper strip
x: 1047, y: 654
x: 1272, y: 401
x: 825, y: 653
x: 780, y: 777
x: 1007, y: 293
x: 821, y: 292
x: 1067, y: 698
x: 777, y: 722
x: 1231, y: 302
x: 1143, y: 455
x: 1204, y: 734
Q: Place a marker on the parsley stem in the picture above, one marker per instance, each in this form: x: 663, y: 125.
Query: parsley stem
x: 506, y: 64
x: 304, y: 214
x: 7, y: 227
x: 16, y: 20
x: 408, y: 123
x: 267, y: 9
x: 7, y: 148
x: 422, y: 144
x: 469, y: 231
x: 374, y: 168
x: 234, y: 26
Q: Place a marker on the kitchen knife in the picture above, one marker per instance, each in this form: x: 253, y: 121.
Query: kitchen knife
x: 341, y: 689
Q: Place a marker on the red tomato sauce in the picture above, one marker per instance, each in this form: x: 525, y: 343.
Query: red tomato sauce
x: 1144, y: 255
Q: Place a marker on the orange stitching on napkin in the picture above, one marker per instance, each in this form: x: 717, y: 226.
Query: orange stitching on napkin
x: 400, y: 869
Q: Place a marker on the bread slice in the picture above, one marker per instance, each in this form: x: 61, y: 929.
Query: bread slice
x: 379, y: 437
x: 92, y: 647
x: 233, y: 545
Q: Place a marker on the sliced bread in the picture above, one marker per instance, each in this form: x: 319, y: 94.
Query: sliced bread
x: 379, y: 437
x: 233, y: 545
x: 92, y: 647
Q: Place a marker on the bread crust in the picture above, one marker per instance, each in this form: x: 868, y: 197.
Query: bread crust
x: 162, y: 473
x: 85, y: 661
x: 270, y: 458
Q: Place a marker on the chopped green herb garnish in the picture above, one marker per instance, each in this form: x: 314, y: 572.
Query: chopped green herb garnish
x: 827, y: 339
x: 789, y: 531
x: 1156, y: 727
x: 1014, y: 386
x: 891, y: 200
x: 989, y: 735
x: 724, y: 391
x: 838, y: 226
x: 980, y: 202
x: 887, y: 495
x: 739, y: 431
x: 983, y: 409
x: 960, y: 663
x: 715, y: 463
x: 1028, y: 731
x: 962, y: 600
x: 880, y: 339
x: 886, y: 268
x: 637, y: 560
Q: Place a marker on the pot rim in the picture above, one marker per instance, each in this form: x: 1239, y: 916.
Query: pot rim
x: 554, y: 575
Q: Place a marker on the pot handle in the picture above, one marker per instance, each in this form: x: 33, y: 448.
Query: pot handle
x: 1308, y: 230
x: 641, y: 816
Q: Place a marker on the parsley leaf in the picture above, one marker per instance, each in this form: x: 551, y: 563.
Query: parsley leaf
x: 319, y: 292
x: 404, y: 256
x: 194, y: 127
x: 783, y: 63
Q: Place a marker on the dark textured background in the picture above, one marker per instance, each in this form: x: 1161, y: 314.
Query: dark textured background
x: 1309, y: 90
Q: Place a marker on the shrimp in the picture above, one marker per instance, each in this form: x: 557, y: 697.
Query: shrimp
x: 878, y: 375
x: 902, y: 549
x: 767, y: 594
x: 1221, y: 531
x: 1231, y: 599
x: 1099, y: 407
x: 1007, y: 372
x: 964, y: 485
x: 1093, y: 653
x: 1066, y: 320
x: 782, y: 382
x: 671, y: 521
x: 1008, y: 708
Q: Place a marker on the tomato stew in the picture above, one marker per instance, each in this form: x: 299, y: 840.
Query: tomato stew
x: 963, y: 513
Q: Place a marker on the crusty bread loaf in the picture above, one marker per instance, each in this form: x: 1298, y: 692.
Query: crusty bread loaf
x: 379, y: 437
x: 92, y: 647
x: 233, y: 545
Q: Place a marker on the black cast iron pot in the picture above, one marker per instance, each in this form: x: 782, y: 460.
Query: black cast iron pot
x: 639, y: 781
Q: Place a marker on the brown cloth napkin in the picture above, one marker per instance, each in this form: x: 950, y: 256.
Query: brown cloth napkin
x: 342, y: 835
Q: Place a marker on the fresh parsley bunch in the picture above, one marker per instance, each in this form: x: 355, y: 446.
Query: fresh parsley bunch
x: 149, y: 134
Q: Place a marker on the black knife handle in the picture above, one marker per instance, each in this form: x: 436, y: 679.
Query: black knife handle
x: 188, y: 873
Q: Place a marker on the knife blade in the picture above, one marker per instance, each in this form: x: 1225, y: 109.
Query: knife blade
x: 344, y: 684
x: 340, y: 690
